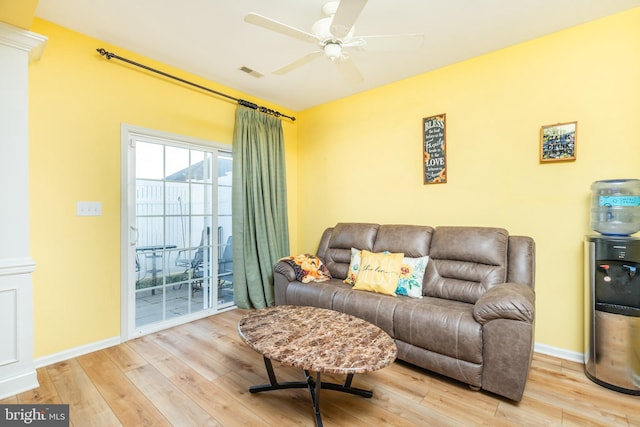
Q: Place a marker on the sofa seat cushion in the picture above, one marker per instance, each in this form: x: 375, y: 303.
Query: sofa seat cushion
x: 315, y: 294
x: 373, y: 307
x: 441, y: 326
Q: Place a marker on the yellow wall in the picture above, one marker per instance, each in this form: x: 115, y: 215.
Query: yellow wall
x: 77, y: 102
x: 356, y: 159
x: 18, y: 13
x: 360, y: 157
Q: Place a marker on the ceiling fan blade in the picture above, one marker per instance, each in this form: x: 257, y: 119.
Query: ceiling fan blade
x: 349, y: 71
x: 346, y: 15
x: 279, y: 27
x: 299, y: 62
x: 391, y: 42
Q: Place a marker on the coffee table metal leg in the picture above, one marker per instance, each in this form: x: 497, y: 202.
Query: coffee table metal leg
x: 347, y: 382
x: 314, y: 386
x: 316, y: 405
x: 273, y: 381
x: 346, y: 388
x: 314, y: 390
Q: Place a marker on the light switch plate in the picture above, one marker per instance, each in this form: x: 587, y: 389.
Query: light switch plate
x: 89, y: 208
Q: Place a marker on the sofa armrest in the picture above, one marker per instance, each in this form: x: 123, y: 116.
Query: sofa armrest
x: 511, y: 301
x: 285, y: 269
x: 506, y: 313
x: 283, y: 275
x: 506, y: 357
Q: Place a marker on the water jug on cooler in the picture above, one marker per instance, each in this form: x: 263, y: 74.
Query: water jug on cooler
x: 615, y: 206
x: 612, y: 287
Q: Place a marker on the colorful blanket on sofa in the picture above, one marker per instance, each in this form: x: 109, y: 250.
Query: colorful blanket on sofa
x: 308, y: 268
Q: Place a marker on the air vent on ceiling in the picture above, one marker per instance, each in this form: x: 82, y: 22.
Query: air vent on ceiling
x: 251, y: 72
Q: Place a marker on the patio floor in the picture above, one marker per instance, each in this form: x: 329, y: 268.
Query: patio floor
x: 177, y: 301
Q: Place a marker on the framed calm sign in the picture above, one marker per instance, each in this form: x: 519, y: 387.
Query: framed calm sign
x: 434, y: 150
x: 558, y: 142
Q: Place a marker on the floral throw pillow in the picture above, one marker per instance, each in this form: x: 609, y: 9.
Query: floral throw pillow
x: 411, y: 275
x: 354, y: 267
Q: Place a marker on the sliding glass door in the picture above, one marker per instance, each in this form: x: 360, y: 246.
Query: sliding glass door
x: 178, y: 215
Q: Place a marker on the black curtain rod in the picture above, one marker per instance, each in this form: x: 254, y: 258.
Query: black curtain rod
x: 242, y: 102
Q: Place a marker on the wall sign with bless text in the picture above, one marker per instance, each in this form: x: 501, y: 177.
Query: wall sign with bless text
x: 434, y: 149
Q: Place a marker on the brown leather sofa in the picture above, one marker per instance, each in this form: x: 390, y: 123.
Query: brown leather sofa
x: 475, y: 321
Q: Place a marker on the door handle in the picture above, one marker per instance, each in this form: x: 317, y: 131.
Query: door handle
x: 133, y: 236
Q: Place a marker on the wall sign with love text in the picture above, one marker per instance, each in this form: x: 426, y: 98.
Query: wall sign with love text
x: 434, y: 149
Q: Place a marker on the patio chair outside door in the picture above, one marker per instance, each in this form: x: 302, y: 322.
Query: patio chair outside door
x: 197, y: 267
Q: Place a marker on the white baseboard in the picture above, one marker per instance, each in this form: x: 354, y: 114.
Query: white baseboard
x: 573, y: 356
x: 75, y: 352
x: 19, y: 383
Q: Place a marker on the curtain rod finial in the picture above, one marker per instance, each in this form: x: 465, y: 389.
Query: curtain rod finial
x: 104, y: 53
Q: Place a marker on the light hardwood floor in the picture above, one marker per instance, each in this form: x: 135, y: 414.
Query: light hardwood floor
x: 198, y: 374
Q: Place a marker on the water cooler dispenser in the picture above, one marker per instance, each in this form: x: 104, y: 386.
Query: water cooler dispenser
x: 612, y: 287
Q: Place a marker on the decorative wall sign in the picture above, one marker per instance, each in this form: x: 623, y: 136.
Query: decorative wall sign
x: 434, y: 149
x: 558, y: 142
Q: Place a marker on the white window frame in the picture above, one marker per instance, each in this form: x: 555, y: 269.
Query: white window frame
x: 129, y: 132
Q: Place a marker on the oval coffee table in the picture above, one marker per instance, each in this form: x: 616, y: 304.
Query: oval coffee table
x: 316, y: 340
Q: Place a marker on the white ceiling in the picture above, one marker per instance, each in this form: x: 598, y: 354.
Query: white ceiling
x: 209, y: 38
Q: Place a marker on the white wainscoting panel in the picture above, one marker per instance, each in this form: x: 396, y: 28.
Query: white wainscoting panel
x: 9, y: 322
x: 17, y: 369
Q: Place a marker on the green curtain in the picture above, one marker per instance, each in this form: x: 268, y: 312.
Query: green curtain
x: 259, y: 202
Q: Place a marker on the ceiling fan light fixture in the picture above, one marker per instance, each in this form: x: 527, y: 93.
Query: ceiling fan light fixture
x: 332, y: 50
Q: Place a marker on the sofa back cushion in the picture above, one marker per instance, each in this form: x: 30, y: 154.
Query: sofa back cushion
x: 412, y: 240
x: 465, y: 262
x: 344, y: 236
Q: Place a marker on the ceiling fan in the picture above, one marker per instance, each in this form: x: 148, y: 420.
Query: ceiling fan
x: 334, y: 34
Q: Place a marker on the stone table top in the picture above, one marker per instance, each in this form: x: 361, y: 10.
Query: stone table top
x: 317, y: 339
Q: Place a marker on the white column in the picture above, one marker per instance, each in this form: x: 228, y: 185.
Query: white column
x: 17, y: 371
